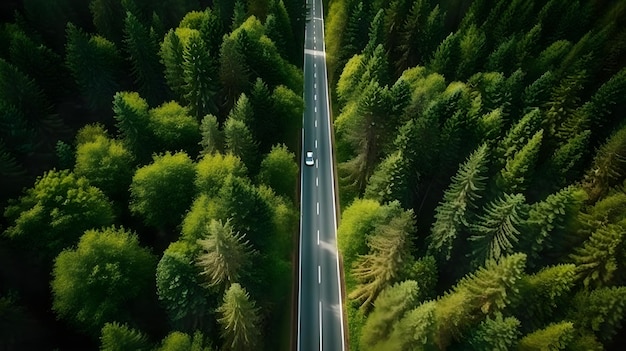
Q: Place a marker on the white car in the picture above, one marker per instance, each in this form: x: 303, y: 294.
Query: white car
x: 308, y: 160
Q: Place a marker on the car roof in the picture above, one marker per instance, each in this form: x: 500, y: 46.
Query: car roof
x: 309, y: 153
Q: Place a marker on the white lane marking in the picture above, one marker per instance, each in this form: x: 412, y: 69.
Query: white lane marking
x: 314, y: 96
x: 316, y: 143
x: 318, y: 237
x: 315, y: 75
x: 319, y: 274
x: 317, y: 183
x: 320, y: 325
x: 315, y: 108
x: 314, y: 85
x: 315, y: 65
x: 317, y: 165
x: 315, y: 122
x: 318, y: 208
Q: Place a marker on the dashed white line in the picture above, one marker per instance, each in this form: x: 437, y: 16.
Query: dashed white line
x: 315, y: 65
x: 315, y: 97
x: 319, y: 274
x: 315, y: 108
x: 315, y: 122
x: 315, y: 75
x: 316, y: 144
x: 318, y: 208
x: 314, y: 85
x: 317, y: 183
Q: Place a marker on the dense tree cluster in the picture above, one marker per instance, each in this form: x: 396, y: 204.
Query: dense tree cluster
x: 481, y: 165
x: 155, y: 142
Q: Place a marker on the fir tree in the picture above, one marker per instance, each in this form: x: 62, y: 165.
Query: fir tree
x: 609, y: 166
x: 497, y: 334
x: 600, y: 310
x: 240, y: 320
x: 212, y: 137
x: 556, y: 336
x: 200, y: 76
x: 460, y: 198
x: 518, y: 170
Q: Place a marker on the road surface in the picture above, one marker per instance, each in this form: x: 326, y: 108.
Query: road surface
x: 320, y: 316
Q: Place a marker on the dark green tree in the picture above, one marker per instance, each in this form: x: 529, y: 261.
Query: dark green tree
x: 108, y: 18
x: 496, y: 232
x: 498, y: 334
x: 240, y: 320
x: 446, y: 57
x: 460, y: 198
x: 162, y: 191
x: 600, y: 311
x: 95, y: 65
x: 212, y: 137
x: 608, y: 167
x: 518, y: 170
x: 171, y: 53
x: 102, y: 278
x: 240, y: 142
x: 133, y: 123
x: 388, y: 182
x: 200, y: 77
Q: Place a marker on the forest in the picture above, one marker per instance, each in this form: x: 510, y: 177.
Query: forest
x: 148, y: 173
x: 481, y: 149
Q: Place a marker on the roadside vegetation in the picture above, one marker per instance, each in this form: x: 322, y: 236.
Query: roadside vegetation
x: 481, y: 150
x: 148, y: 174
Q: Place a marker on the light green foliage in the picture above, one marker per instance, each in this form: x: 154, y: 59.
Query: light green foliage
x: 55, y: 212
x: 445, y: 58
x: 600, y: 311
x: 174, y: 129
x: 133, y: 123
x: 162, y: 191
x: 609, y: 166
x: 179, y: 286
x: 599, y: 260
x: 389, y: 254
x: 498, y: 334
x: 177, y: 341
x: 107, y: 164
x: 519, y: 135
x: 288, y: 107
x: 279, y: 171
x: 242, y: 111
x: 496, y: 232
x: 388, y: 182
x: 350, y: 78
x: 556, y: 336
x: 518, y: 169
x: 540, y: 294
x: 89, y: 133
x: 414, y: 331
x: 471, y: 46
x: 200, y: 76
x: 203, y: 209
x: 357, y: 223
x: 389, y: 307
x: 97, y: 281
x: 213, y: 169
x: 548, y: 221
x: 458, y: 200
x: 212, y: 137
x: 338, y: 15
x: 224, y: 254
x: 94, y: 63
x: 142, y: 45
x: 240, y: 142
x: 239, y: 319
x: 490, y: 125
x: 120, y: 337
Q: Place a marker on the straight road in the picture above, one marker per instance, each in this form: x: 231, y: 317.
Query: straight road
x: 320, y: 313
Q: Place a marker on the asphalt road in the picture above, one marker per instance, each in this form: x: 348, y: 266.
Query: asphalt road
x: 320, y: 317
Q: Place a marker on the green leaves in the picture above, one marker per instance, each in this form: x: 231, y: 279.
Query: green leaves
x: 239, y: 320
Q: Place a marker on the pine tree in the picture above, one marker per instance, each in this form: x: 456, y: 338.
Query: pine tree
x: 118, y: 337
x: 376, y: 34
x: 95, y: 64
x: 564, y: 166
x: 460, y: 197
x: 389, y: 307
x: 240, y: 320
x: 600, y: 311
x: 547, y: 224
x: 233, y: 72
x: 599, y: 260
x: 496, y: 232
x: 471, y: 45
x: 556, y: 336
x: 212, y: 137
x: 537, y: 94
x: 446, y: 57
x: 519, y: 135
x: 239, y: 141
x: 224, y: 254
x: 132, y: 121
x: 142, y: 46
x: 609, y: 166
x: 414, y: 331
x: 519, y: 169
x: 497, y: 334
x: 200, y: 76
x: 541, y: 294
x: 388, y: 182
x: 171, y: 54
x: 413, y: 33
x: 389, y: 253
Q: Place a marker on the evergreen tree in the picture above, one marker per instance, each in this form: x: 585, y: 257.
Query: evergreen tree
x: 608, y: 168
x: 200, y: 77
x: 171, y: 53
x: 240, y: 320
x: 414, y: 331
x: 498, y: 334
x: 471, y: 45
x: 108, y: 18
x: 446, y: 57
x: 389, y: 307
x: 556, y: 336
x: 519, y: 135
x: 412, y: 34
x: 212, y: 137
x: 388, y: 182
x: 264, y: 125
x: 177, y: 341
x: 376, y: 34
x: 518, y: 170
x: 213, y: 169
x: 142, y: 46
x: 133, y: 121
x: 95, y: 64
x: 538, y: 92
x: 358, y: 222
x: 242, y: 111
x: 496, y: 232
x: 119, y: 337
x: 599, y: 260
x: 564, y: 165
x: 389, y: 253
x: 600, y: 310
x: 224, y: 254
x: 460, y: 197
x: 239, y: 142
